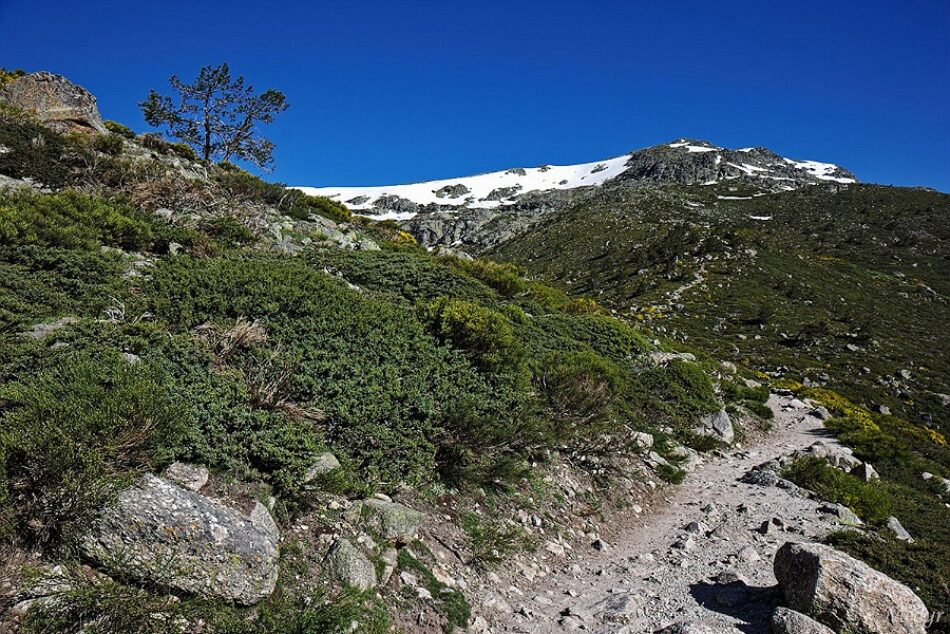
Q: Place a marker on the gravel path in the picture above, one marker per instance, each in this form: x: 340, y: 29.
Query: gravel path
x: 703, y: 554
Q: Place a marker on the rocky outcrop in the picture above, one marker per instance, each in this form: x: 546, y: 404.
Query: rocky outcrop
x: 717, y: 425
x: 846, y: 594
x: 58, y: 103
x: 160, y: 533
x: 785, y: 621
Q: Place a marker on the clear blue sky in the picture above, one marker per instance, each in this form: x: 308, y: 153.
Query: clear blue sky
x: 400, y: 90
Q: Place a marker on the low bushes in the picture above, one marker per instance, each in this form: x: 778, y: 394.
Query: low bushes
x: 484, y: 334
x: 868, y: 501
x: 70, y: 432
x: 292, y: 202
x: 71, y: 220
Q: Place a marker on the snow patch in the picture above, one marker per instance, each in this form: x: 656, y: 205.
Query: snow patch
x: 821, y: 171
x: 480, y: 186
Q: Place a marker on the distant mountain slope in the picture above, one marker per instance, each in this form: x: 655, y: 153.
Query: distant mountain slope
x: 684, y: 161
x: 851, y: 287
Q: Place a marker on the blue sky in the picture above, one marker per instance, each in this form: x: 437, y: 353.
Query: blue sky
x: 399, y: 91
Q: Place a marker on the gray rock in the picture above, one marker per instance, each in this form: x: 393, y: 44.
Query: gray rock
x: 392, y: 520
x: 642, y: 440
x: 843, y: 514
x: 717, y: 425
x: 58, y: 103
x: 161, y: 533
x: 262, y: 518
x: 323, y: 464
x: 868, y: 472
x: 190, y: 476
x: 785, y: 621
x: 665, y: 358
x: 836, y: 455
x: 44, y: 330
x: 846, y: 594
x: 699, y: 627
x: 347, y: 565
x: 894, y: 525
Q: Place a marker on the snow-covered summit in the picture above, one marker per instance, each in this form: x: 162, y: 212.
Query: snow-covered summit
x: 685, y: 161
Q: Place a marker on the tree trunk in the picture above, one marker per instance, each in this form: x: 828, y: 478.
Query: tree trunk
x: 207, y: 122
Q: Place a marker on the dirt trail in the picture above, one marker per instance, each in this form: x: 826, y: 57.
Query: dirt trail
x: 701, y: 555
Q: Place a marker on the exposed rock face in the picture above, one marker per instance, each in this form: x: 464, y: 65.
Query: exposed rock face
x: 785, y: 621
x: 346, y: 565
x: 845, y: 593
x: 717, y: 425
x: 452, y: 191
x: 60, y: 104
x: 693, y: 162
x: 164, y: 534
x: 393, y: 521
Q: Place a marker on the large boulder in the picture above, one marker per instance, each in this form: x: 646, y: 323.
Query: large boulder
x: 846, y: 594
x: 717, y: 425
x: 785, y: 621
x: 58, y: 103
x: 161, y: 533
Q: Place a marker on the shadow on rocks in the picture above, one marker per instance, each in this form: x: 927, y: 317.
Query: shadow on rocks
x: 739, y: 600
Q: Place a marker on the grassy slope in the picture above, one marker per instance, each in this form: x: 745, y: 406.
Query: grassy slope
x: 435, y: 372
x: 845, y: 287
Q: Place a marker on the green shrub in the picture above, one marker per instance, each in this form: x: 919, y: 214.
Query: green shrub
x: 484, y: 334
x: 291, y: 202
x: 71, y: 220
x: 6, y: 76
x: 37, y: 283
x: 580, y: 389
x: 37, y: 152
x: 411, y: 274
x: 868, y: 500
x: 117, y: 128
x: 384, y: 385
x: 70, y: 432
x: 229, y: 231
x: 505, y: 278
x: 111, y: 144
x: 183, y: 150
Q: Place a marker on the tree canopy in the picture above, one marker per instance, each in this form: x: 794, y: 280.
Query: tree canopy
x: 217, y: 115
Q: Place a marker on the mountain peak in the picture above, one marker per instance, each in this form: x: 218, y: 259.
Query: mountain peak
x: 683, y: 161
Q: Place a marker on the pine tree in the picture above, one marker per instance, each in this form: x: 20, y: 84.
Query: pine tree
x: 216, y: 115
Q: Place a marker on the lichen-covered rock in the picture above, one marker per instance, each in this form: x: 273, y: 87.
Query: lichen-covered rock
x: 347, y: 565
x: 392, y: 520
x: 57, y: 102
x: 717, y: 425
x: 838, y: 456
x: 785, y: 621
x: 846, y: 594
x: 161, y: 533
x: 190, y: 476
x: 322, y: 465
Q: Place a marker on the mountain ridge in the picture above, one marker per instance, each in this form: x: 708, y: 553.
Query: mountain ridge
x: 682, y: 161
